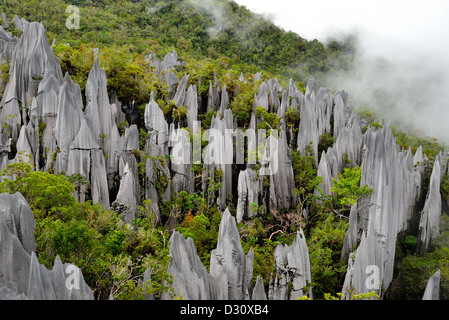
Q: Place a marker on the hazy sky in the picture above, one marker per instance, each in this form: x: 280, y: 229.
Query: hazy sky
x: 389, y: 19
x: 412, y: 35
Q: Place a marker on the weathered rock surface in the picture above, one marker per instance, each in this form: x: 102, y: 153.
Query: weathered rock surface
x: 429, y: 225
x: 230, y: 261
x: 43, y: 121
x: 249, y: 186
x: 191, y: 281
x: 20, y: 219
x: 292, y: 266
x: 230, y: 268
x: 22, y: 276
x: 432, y: 291
x: 126, y: 201
x: 390, y: 173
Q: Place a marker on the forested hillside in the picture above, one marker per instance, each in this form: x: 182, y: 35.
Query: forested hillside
x: 154, y: 67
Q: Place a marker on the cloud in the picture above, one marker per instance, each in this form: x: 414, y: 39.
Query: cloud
x: 401, y: 67
x: 403, y: 83
x: 216, y: 9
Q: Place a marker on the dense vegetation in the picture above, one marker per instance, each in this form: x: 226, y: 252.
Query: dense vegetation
x: 113, y: 256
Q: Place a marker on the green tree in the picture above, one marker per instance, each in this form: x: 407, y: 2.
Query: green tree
x: 347, y: 188
x: 46, y: 193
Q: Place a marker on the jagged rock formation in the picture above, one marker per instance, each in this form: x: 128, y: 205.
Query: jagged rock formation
x: 429, y: 225
x: 292, y: 265
x: 432, y: 291
x: 22, y: 276
x: 248, y: 191
x: 44, y: 122
x: 218, y: 155
x: 230, y: 268
x: 190, y: 278
x: 229, y: 260
x: 390, y: 173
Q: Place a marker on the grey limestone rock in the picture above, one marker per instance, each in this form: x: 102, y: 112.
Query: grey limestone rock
x: 277, y: 165
x: 126, y: 202
x: 155, y: 123
x: 229, y: 260
x: 292, y: 266
x: 432, y: 291
x: 191, y: 103
x: 31, y: 59
x: 99, y: 180
x: 390, y: 173
x: 224, y: 104
x: 24, y: 151
x: 98, y: 111
x: 191, y: 281
x: 248, y: 189
x: 213, y: 99
x: 261, y: 96
x: 181, y: 163
x: 21, y: 272
x: 20, y: 219
x: 180, y: 95
x: 8, y: 44
x: 429, y: 224
x: 218, y: 155
x: 9, y: 291
x: 68, y: 120
x: 259, y: 290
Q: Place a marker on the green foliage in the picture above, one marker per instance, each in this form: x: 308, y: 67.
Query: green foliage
x: 409, y: 244
x: 203, y: 231
x: 292, y: 118
x: 430, y: 146
x: 269, y: 120
x: 4, y: 75
x: 348, y: 189
x: 325, y: 243
x: 416, y: 270
x: 326, y: 141
x: 47, y: 193
x: 242, y: 105
x: 444, y: 187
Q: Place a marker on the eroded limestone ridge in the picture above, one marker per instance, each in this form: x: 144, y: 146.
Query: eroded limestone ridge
x: 22, y: 276
x: 44, y: 122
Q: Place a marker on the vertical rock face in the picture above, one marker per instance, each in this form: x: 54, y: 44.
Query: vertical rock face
x: 230, y: 260
x: 9, y: 44
x: 390, y: 173
x: 191, y: 281
x: 182, y: 162
x: 292, y: 266
x: 278, y: 167
x: 218, y: 155
x: 42, y: 116
x: 23, y: 277
x: 248, y: 187
x: 20, y: 219
x: 31, y: 59
x: 230, y: 268
x: 155, y: 121
x: 429, y: 225
x: 68, y: 121
x: 126, y: 201
x: 432, y: 291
